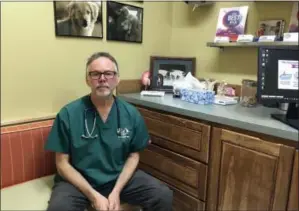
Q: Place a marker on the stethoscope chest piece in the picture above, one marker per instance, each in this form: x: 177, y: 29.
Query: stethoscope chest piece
x: 89, y: 136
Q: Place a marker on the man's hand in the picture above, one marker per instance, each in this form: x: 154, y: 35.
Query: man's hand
x: 100, y: 202
x: 114, y: 201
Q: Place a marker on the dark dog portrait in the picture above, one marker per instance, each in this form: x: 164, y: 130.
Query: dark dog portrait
x: 78, y: 18
x: 124, y: 22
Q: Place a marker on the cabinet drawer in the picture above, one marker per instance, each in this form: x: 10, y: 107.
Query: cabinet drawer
x: 183, y: 202
x: 181, y: 172
x: 181, y: 135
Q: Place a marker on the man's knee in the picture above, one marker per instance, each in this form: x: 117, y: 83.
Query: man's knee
x: 66, y: 204
x: 163, y: 195
x: 166, y: 195
x: 60, y: 206
x: 61, y: 203
x: 66, y: 197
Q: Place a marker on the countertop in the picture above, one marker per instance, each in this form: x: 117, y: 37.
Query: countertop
x: 256, y: 119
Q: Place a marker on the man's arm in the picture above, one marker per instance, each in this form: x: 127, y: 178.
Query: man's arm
x: 139, y: 141
x: 68, y: 172
x: 127, y: 172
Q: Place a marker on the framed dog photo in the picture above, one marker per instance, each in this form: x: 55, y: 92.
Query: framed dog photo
x: 78, y: 19
x: 124, y: 22
x: 164, y: 71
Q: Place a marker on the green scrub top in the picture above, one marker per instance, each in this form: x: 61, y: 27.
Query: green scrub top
x: 99, y: 160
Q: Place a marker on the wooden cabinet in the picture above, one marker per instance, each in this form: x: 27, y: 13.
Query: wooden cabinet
x: 247, y: 173
x: 212, y: 168
x: 178, y: 156
x: 293, y: 204
x: 186, y: 174
x: 181, y: 135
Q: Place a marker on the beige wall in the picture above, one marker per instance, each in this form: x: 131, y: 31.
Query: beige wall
x: 40, y: 72
x: 192, y: 30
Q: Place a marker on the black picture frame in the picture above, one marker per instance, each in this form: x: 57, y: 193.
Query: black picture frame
x: 122, y: 24
x: 161, y: 68
x: 89, y: 26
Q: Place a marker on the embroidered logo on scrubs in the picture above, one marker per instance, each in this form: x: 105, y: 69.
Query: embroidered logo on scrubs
x: 123, y: 132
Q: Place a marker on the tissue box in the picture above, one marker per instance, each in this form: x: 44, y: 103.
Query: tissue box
x: 198, y: 96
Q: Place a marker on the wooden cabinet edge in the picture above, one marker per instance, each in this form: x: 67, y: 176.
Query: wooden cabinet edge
x: 213, y: 170
x: 284, y: 173
x: 293, y: 204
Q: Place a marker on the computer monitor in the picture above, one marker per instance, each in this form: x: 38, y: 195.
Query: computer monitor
x: 278, y: 80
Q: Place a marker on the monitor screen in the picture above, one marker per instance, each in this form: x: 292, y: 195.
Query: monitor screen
x: 278, y: 74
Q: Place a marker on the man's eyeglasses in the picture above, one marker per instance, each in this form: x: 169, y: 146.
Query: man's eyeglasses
x: 95, y: 75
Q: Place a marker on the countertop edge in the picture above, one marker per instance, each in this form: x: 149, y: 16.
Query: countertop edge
x: 216, y: 119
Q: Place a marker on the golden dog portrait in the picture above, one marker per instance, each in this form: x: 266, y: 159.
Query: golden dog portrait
x: 79, y: 18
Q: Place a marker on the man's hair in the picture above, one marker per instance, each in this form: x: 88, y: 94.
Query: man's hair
x: 97, y: 55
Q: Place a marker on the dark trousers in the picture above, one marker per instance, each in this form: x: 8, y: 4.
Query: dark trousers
x: 142, y: 189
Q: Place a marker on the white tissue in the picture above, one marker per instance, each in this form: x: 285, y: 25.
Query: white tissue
x: 189, y: 82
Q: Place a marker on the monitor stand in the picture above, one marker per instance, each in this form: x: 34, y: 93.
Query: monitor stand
x: 291, y: 118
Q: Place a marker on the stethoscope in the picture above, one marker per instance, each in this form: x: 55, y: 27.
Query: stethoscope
x: 89, y: 134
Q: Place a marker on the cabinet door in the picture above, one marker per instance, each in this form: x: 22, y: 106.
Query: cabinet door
x: 294, y: 192
x: 248, y: 173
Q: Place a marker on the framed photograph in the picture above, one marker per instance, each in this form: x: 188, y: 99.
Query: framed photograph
x: 124, y: 22
x: 166, y: 70
x: 78, y: 19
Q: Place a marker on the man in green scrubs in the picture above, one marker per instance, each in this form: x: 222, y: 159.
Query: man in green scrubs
x: 97, y: 139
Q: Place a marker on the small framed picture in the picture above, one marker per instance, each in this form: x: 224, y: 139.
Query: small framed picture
x: 124, y: 22
x: 81, y: 19
x: 164, y: 71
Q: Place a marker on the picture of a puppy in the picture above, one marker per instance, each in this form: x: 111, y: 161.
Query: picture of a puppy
x: 82, y: 19
x: 124, y: 22
x: 129, y: 25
